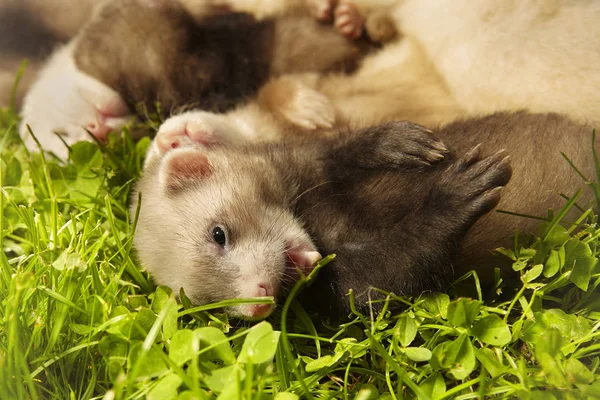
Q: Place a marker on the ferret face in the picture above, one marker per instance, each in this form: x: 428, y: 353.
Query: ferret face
x: 205, y: 227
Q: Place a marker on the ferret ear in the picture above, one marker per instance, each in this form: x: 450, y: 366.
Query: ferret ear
x: 183, y: 167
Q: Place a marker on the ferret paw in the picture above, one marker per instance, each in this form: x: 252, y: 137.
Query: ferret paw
x: 184, y: 130
x: 348, y: 20
x: 193, y: 129
x: 110, y: 116
x: 322, y: 10
x: 477, y: 182
x: 395, y: 145
x: 55, y: 127
x: 308, y: 109
x: 380, y: 27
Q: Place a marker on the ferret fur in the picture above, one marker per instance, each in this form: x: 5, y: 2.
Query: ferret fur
x: 393, y: 226
x: 167, y: 56
x: 539, y: 55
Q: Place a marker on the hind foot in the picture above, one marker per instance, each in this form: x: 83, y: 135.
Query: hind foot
x: 64, y: 104
x: 474, y: 184
x: 348, y: 20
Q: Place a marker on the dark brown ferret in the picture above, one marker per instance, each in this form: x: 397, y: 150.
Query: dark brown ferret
x: 237, y: 221
x: 150, y: 54
x: 228, y: 222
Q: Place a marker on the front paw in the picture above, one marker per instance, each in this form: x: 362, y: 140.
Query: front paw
x: 184, y: 130
x: 195, y: 129
x: 297, y: 103
x: 395, y: 145
x: 348, y: 20
x: 309, y: 109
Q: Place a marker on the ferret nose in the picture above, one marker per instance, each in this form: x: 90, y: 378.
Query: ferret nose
x: 262, y: 310
x: 262, y: 290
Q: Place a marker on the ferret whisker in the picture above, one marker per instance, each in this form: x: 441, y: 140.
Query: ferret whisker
x: 319, y: 204
x: 299, y: 196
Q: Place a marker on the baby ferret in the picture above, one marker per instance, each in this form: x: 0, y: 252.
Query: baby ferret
x: 516, y: 54
x: 461, y: 58
x: 238, y: 221
x: 135, y: 52
x: 235, y: 221
x: 163, y: 54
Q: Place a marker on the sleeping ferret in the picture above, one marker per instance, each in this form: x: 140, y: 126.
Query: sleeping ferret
x: 400, y: 212
x: 244, y: 221
x: 148, y: 51
x: 538, y: 55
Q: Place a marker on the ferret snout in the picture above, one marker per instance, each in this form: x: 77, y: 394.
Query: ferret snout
x: 256, y: 311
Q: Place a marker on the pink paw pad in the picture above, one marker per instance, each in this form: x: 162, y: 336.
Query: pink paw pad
x: 109, y: 116
x: 187, y: 135
x: 348, y: 20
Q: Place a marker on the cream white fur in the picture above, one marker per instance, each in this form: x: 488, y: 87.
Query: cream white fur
x: 63, y: 100
x: 542, y: 55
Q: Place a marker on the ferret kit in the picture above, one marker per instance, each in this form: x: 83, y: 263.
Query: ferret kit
x: 134, y: 57
x: 401, y: 212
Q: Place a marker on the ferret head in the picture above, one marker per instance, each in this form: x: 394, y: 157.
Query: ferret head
x: 220, y: 228
x: 64, y: 101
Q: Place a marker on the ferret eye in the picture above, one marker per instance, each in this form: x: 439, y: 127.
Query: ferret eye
x: 219, y: 236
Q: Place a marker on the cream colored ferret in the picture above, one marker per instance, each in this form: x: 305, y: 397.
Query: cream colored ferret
x: 541, y: 55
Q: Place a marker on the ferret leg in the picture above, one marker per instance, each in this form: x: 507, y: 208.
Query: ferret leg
x: 297, y: 103
x: 392, y: 145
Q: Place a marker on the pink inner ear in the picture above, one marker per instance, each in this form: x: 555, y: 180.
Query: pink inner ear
x: 186, y: 165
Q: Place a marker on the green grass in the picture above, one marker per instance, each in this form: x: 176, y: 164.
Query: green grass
x: 78, y: 319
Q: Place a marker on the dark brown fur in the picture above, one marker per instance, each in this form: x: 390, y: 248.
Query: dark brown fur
x: 164, y: 55
x: 534, y: 143
x: 407, y: 229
